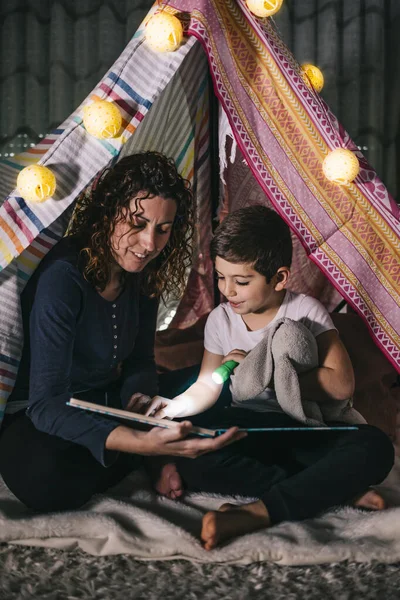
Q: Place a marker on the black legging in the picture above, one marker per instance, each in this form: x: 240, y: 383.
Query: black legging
x: 297, y: 475
x: 50, y: 474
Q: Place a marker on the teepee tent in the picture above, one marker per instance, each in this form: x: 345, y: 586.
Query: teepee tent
x: 274, y: 132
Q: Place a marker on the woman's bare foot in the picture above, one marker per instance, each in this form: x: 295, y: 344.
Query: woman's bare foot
x: 370, y: 500
x: 169, y: 482
x: 230, y: 521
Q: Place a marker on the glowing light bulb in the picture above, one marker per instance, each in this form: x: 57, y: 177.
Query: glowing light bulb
x: 36, y: 183
x: 341, y: 166
x: 312, y: 76
x: 164, y: 32
x: 102, y: 119
x: 264, y: 8
x: 224, y: 371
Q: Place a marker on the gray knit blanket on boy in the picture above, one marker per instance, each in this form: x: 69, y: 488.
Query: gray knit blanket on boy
x: 288, y: 349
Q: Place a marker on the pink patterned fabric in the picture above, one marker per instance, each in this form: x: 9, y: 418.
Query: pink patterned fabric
x: 284, y: 131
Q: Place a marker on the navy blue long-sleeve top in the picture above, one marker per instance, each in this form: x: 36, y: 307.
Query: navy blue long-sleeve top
x: 75, y: 340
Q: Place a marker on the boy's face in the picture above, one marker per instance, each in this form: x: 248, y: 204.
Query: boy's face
x: 246, y: 290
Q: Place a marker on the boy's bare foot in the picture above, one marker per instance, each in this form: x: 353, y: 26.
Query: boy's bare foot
x: 169, y: 482
x: 371, y: 500
x: 230, y: 521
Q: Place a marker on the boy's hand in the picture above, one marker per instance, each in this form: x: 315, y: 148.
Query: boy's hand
x: 156, y: 407
x: 164, y: 408
x: 237, y: 355
x: 138, y: 402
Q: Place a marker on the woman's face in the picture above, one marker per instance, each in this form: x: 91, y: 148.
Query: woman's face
x: 143, y: 231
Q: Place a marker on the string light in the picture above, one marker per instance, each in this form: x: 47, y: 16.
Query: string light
x: 312, y: 76
x: 36, y: 183
x: 164, y: 32
x: 264, y: 8
x: 341, y: 166
x: 102, y: 119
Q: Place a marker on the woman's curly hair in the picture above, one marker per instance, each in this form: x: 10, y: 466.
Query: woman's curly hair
x: 102, y: 206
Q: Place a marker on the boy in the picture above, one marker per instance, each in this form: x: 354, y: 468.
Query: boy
x: 252, y: 252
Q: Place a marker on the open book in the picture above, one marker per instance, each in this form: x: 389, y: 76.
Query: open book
x: 130, y: 418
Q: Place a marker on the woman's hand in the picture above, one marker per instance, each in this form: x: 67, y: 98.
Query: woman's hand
x: 174, y: 442
x: 236, y: 355
x: 168, y: 442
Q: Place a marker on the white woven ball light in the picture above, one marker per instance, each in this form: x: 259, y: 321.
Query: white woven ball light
x: 264, y: 8
x: 102, y: 119
x: 36, y: 183
x: 313, y: 75
x: 164, y: 32
x: 341, y: 166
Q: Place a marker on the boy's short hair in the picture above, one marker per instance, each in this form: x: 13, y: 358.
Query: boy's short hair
x: 254, y: 235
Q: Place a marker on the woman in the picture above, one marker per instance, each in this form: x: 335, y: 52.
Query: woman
x: 89, y: 315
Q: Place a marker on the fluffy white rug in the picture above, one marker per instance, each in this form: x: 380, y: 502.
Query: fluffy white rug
x: 133, y: 520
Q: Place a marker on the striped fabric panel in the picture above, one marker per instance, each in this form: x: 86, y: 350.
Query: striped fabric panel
x: 27, y: 230
x: 12, y: 282
x: 8, y: 372
x: 30, y: 258
x: 178, y: 125
x: 199, y: 296
x: 198, y: 299
x: 11, y: 338
x: 75, y: 157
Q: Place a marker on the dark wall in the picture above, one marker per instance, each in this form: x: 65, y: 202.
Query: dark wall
x: 54, y: 52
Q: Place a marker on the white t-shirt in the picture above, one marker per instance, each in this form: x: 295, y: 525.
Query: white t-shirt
x: 225, y: 331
